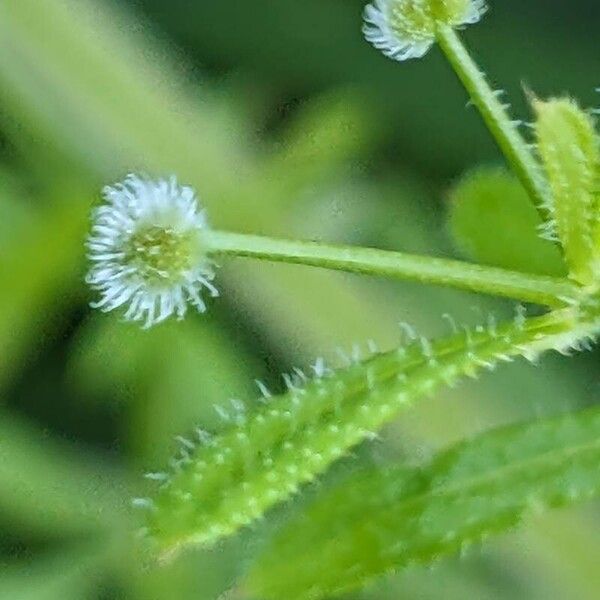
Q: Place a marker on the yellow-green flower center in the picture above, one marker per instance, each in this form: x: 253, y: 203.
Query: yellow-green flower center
x: 416, y: 19
x: 450, y: 12
x: 162, y: 254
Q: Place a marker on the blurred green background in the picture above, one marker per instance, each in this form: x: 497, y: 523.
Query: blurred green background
x: 287, y: 123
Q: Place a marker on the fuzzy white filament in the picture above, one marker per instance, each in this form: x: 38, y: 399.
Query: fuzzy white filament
x: 404, y: 29
x: 146, y: 250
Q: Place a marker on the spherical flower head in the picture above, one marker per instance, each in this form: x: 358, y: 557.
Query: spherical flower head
x: 404, y: 29
x: 146, y: 250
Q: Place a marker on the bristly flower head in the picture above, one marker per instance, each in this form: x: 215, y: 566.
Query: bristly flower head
x: 404, y: 29
x: 147, y: 252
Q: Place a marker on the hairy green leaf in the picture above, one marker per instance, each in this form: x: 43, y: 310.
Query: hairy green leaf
x: 268, y: 451
x: 570, y: 152
x: 494, y: 223
x: 380, y: 521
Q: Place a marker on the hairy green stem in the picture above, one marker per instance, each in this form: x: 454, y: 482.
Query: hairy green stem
x: 496, y: 118
x: 549, y: 291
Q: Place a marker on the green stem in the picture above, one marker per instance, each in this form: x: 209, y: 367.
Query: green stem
x: 538, y: 289
x: 496, y: 118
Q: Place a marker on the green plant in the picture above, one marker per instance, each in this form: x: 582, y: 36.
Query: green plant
x: 268, y: 449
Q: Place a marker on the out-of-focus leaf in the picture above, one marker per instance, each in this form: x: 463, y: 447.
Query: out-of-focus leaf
x: 78, y: 75
x: 197, y: 576
x: 495, y: 223
x: 313, y: 45
x: 567, y: 552
x: 68, y: 575
x: 325, y: 134
x: 15, y: 211
x: 49, y: 488
x: 84, y: 56
x: 464, y: 577
x: 384, y: 520
x: 175, y: 373
x: 39, y: 269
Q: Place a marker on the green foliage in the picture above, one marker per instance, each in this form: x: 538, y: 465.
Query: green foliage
x: 493, y: 222
x: 570, y: 150
x: 222, y: 483
x: 381, y: 520
x: 86, y: 95
x: 228, y: 481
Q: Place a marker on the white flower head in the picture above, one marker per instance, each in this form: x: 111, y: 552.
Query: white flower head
x: 404, y: 29
x: 146, y: 250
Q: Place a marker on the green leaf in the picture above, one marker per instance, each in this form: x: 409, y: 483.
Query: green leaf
x: 380, y: 521
x: 493, y: 222
x: 221, y: 484
x: 570, y: 152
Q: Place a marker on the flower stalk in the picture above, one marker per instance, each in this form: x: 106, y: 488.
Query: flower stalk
x: 544, y: 290
x: 495, y: 116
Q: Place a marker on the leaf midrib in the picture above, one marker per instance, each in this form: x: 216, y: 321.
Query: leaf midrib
x: 502, y: 472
